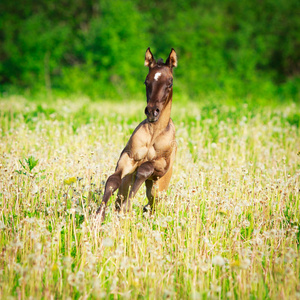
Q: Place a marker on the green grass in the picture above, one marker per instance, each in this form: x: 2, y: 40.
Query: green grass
x: 227, y: 228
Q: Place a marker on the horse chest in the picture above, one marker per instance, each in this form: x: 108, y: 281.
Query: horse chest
x: 159, y: 149
x: 151, y: 153
x: 144, y: 148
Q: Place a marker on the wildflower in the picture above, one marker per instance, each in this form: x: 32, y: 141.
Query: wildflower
x: 70, y: 180
x: 218, y: 261
x: 246, y: 223
x: 72, y: 279
x: 2, y: 225
x: 204, y: 267
x: 207, y: 242
x: 222, y: 212
x: 237, y: 210
x: 80, y: 276
x: 214, y: 145
x: 245, y: 263
x: 216, y: 288
x: 242, y: 264
x: 157, y: 236
x: 54, y: 267
x: 107, y: 242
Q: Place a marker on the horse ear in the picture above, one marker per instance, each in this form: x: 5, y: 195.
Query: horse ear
x: 149, y: 59
x: 172, y: 59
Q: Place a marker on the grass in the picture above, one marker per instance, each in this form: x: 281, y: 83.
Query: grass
x: 228, y: 227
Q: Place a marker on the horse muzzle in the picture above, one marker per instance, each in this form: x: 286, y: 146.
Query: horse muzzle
x: 152, y: 114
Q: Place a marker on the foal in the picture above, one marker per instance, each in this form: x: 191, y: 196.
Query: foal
x: 150, y: 152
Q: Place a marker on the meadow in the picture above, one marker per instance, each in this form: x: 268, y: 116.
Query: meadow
x: 227, y: 228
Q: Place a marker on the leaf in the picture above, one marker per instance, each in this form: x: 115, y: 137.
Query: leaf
x: 31, y: 162
x: 22, y: 164
x: 40, y: 178
x: 21, y: 172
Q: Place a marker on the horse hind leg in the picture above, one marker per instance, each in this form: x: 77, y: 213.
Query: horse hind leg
x: 163, y: 182
x: 153, y: 189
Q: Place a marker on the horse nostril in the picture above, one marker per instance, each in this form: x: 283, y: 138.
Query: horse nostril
x: 156, y: 112
x: 146, y: 111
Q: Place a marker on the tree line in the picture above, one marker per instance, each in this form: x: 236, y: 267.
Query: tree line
x: 236, y: 48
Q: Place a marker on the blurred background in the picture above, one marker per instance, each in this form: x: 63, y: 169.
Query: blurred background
x: 226, y: 48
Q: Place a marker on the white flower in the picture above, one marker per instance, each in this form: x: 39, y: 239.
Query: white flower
x: 216, y: 288
x: 237, y: 210
x: 107, y: 242
x: 71, y: 279
x: 218, y: 261
x: 214, y: 145
x: 80, y: 276
x: 34, y: 189
x: 2, y: 225
x: 246, y: 223
x: 245, y: 263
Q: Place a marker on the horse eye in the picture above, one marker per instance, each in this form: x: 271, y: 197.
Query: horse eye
x: 170, y: 85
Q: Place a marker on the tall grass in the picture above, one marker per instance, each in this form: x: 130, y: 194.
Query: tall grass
x: 228, y: 227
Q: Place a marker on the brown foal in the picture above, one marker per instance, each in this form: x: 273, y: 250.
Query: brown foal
x: 150, y: 152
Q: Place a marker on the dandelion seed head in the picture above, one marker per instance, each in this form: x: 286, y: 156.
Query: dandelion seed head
x: 218, y: 261
x: 107, y: 242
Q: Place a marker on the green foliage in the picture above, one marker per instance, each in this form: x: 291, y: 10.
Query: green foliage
x: 27, y: 167
x: 96, y: 48
x: 30, y: 162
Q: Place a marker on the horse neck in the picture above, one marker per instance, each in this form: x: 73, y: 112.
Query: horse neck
x: 164, y: 118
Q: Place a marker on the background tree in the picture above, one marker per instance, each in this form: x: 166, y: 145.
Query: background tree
x: 226, y: 48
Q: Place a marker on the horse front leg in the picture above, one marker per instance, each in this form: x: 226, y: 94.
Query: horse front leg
x: 123, y: 192
x: 112, y: 184
x: 125, y: 166
x: 144, y: 171
x: 147, y: 172
x: 154, y: 187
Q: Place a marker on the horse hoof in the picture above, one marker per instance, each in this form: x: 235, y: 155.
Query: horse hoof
x: 147, y: 208
x: 100, y: 214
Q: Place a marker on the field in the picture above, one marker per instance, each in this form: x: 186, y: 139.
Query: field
x: 228, y: 227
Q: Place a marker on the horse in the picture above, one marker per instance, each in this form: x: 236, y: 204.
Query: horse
x: 150, y: 152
